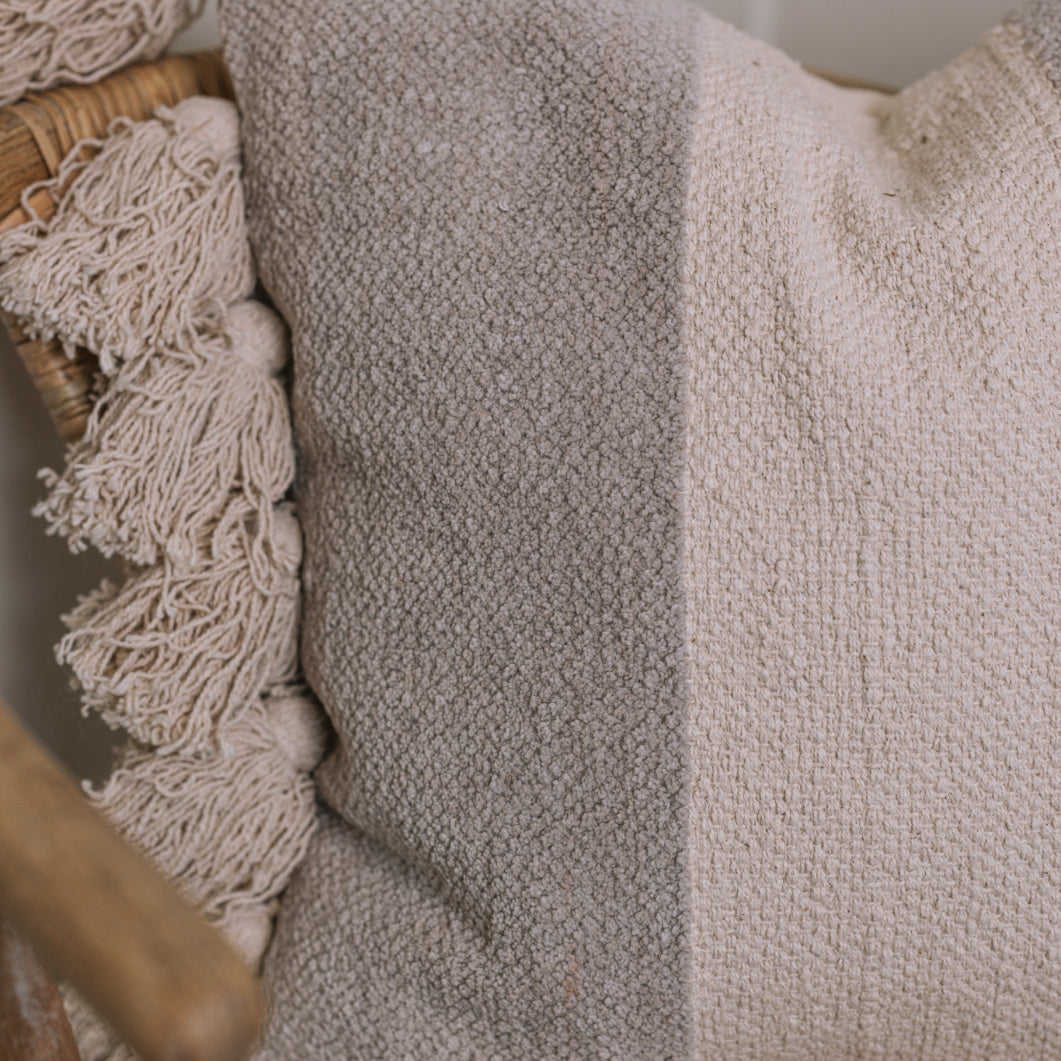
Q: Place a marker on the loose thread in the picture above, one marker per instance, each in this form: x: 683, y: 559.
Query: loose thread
x: 79, y: 41
x: 172, y: 656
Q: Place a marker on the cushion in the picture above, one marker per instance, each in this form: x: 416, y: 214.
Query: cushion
x: 679, y: 449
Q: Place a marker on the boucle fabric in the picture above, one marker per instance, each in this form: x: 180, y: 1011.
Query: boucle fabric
x: 680, y: 454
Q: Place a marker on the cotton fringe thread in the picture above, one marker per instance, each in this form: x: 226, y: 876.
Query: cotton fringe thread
x: 165, y: 449
x: 148, y: 245
x: 96, y: 1040
x: 227, y: 828
x: 173, y: 656
x: 183, y: 473
x: 75, y: 41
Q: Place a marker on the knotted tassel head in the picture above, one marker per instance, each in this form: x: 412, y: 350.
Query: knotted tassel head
x: 209, y: 119
x: 298, y: 724
x: 259, y: 337
x: 168, y: 447
x: 249, y: 929
x: 148, y: 243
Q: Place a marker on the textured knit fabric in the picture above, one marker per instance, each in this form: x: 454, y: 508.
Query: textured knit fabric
x: 680, y: 455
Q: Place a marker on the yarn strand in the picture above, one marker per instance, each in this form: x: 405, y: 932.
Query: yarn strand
x: 146, y: 247
x: 79, y: 41
x: 173, y: 657
x: 166, y: 451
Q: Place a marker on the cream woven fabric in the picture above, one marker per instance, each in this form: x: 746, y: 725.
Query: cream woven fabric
x: 680, y: 446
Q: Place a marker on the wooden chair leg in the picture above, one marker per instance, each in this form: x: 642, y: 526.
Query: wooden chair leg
x: 33, y: 1024
x: 108, y: 922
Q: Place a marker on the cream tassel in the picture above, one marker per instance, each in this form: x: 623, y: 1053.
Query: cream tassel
x: 249, y: 930
x: 172, y: 657
x: 96, y: 1040
x: 227, y: 828
x: 77, y: 41
x: 146, y: 247
x: 165, y: 450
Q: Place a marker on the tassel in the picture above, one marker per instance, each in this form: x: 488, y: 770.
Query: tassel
x: 248, y: 928
x: 165, y: 451
x: 96, y: 1039
x: 79, y: 41
x: 299, y: 725
x: 171, y: 657
x: 148, y: 245
x: 249, y: 931
x: 227, y: 828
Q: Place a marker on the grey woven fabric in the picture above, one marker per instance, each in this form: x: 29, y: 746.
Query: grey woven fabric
x: 680, y: 453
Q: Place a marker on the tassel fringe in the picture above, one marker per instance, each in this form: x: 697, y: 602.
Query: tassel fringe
x: 147, y: 246
x: 182, y: 473
x: 228, y: 828
x: 96, y: 1040
x: 173, y: 657
x: 165, y: 451
x: 77, y: 41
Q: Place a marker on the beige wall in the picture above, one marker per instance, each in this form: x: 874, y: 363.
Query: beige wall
x: 891, y: 43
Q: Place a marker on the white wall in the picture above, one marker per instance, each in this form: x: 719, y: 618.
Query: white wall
x: 890, y: 43
x: 201, y: 34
